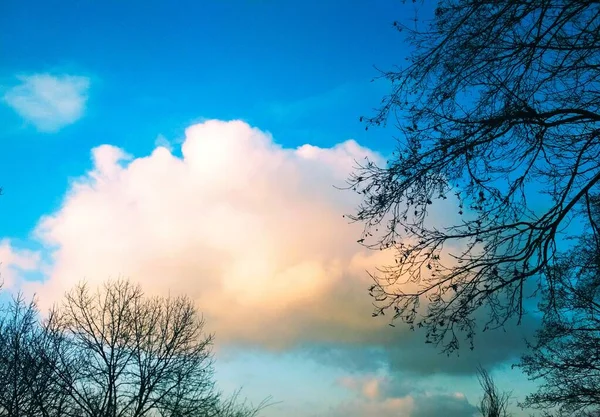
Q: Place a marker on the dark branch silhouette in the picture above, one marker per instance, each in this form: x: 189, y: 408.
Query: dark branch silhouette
x: 565, y: 359
x: 27, y: 387
x: 498, y: 107
x: 494, y: 403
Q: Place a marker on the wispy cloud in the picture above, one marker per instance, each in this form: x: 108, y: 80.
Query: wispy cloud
x: 162, y: 141
x: 49, y: 102
x: 15, y: 262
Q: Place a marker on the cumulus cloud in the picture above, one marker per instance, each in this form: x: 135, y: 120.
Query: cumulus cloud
x: 253, y: 232
x: 49, y: 102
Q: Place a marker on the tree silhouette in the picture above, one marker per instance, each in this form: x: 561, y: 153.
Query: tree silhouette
x: 494, y: 403
x: 565, y: 359
x: 128, y: 355
x: 498, y: 109
x: 113, y: 352
x: 27, y: 386
x: 18, y: 364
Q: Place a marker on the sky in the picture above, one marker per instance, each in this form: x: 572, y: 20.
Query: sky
x: 195, y: 147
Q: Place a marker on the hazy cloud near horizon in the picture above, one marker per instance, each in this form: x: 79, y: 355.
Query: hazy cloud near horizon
x: 381, y: 396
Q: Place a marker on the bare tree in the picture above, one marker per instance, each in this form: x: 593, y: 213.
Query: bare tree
x: 494, y: 403
x: 17, y: 364
x: 108, y: 353
x: 125, y: 355
x: 234, y: 407
x: 565, y: 358
x: 27, y: 386
x: 498, y: 107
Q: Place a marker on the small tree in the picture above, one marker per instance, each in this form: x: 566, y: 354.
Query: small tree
x: 494, y: 403
x: 124, y: 355
x: 110, y: 353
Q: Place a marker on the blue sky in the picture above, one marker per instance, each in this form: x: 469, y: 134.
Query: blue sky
x: 135, y: 75
x: 300, y: 70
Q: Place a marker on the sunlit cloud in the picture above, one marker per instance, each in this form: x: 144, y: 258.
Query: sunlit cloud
x: 254, y: 233
x: 49, y: 102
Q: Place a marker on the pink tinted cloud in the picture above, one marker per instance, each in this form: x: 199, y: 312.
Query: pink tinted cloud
x: 368, y: 386
x: 377, y: 395
x: 250, y: 230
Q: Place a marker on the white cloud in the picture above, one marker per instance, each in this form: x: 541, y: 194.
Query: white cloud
x: 49, y: 102
x: 252, y: 231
